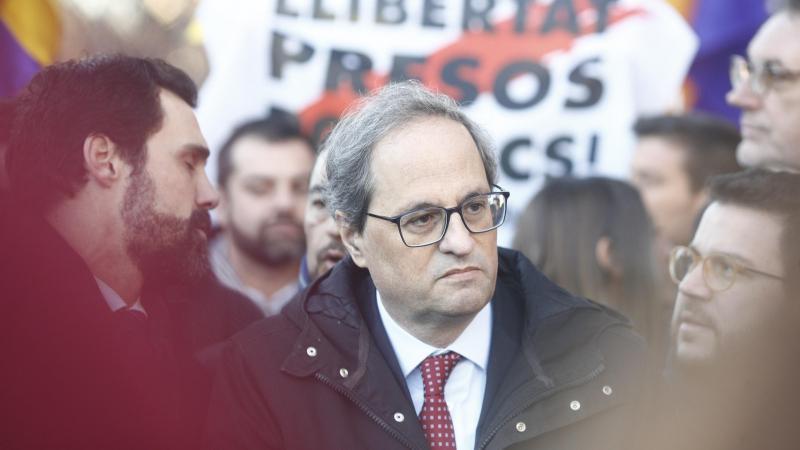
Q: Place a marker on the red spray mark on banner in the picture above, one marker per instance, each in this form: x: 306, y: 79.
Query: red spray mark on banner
x: 491, y: 50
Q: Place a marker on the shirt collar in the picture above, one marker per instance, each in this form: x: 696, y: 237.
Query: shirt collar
x: 114, y: 301
x: 305, y: 277
x: 473, y: 343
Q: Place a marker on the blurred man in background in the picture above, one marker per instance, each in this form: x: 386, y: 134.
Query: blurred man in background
x: 766, y: 86
x: 323, y: 244
x: 736, y: 351
x: 675, y: 157
x: 264, y: 169
x: 104, y: 243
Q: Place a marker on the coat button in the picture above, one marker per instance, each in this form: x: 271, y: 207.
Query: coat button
x: 607, y: 390
x: 399, y: 417
x: 574, y: 405
x: 521, y: 427
x: 344, y: 372
x: 311, y: 351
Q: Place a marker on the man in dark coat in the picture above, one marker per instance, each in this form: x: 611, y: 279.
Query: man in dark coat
x: 107, y: 295
x: 427, y: 335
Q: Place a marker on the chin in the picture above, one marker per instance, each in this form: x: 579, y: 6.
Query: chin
x: 467, y: 301
x: 689, y: 356
x: 751, y: 154
x: 321, y: 270
x: 697, y: 352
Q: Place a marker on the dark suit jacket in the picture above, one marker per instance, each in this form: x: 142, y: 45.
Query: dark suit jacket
x: 66, y: 380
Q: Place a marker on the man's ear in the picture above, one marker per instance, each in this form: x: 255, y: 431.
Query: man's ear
x: 352, y: 240
x: 701, y: 200
x: 604, y: 255
x: 102, y: 160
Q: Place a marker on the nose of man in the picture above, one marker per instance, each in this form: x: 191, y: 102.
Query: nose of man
x: 207, y: 196
x: 329, y: 225
x: 457, y: 240
x: 286, y: 200
x: 743, y: 97
x: 694, y: 286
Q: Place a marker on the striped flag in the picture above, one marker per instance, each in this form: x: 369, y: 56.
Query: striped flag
x: 724, y: 28
x: 30, y: 33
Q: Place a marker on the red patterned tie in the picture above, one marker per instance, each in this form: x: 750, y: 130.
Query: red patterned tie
x: 434, y: 417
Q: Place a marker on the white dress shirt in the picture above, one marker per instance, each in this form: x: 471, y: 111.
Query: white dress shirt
x: 114, y: 301
x: 467, y: 382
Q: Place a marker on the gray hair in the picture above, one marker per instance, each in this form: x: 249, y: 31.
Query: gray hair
x: 352, y: 141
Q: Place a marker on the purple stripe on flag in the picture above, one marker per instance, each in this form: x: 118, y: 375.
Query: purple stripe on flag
x: 16, y: 66
x: 724, y: 27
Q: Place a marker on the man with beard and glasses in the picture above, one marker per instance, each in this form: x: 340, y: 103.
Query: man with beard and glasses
x: 109, y: 303
x: 324, y: 246
x: 264, y: 168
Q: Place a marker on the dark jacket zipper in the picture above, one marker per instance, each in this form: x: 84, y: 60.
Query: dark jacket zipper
x: 327, y: 381
x: 584, y: 379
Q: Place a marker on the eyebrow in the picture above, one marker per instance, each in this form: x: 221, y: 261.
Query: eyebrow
x: 736, y: 257
x: 258, y: 178
x: 197, y: 151
x: 773, y: 62
x: 317, y: 188
x: 248, y: 179
x: 420, y: 205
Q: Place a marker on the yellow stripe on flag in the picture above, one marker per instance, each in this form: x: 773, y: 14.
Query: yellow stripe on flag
x: 36, y: 26
x: 685, y: 7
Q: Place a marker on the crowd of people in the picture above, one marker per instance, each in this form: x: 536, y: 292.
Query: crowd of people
x: 353, y: 296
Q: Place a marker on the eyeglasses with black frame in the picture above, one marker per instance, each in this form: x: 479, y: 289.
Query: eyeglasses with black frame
x: 719, y: 271
x: 426, y: 226
x: 759, y: 78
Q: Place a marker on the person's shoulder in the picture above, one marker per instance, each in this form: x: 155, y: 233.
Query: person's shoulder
x: 205, y: 311
x: 544, y: 298
x: 600, y: 330
x: 266, y: 338
x: 558, y: 315
x: 20, y: 226
x: 239, y: 309
x: 258, y: 351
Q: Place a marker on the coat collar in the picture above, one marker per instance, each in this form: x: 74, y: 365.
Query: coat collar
x: 331, y: 315
x: 538, y: 344
x: 331, y: 322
